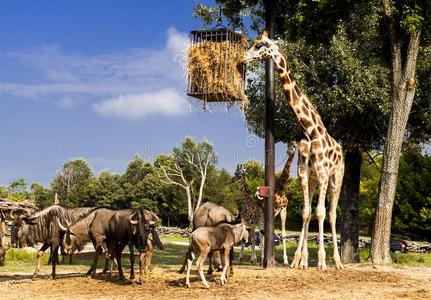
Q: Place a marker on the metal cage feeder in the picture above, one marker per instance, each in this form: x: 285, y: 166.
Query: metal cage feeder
x: 214, y: 70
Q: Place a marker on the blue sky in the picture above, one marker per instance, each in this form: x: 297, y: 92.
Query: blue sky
x: 103, y: 80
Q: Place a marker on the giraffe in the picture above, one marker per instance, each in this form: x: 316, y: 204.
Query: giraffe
x: 281, y: 201
x: 320, y: 162
x: 251, y: 213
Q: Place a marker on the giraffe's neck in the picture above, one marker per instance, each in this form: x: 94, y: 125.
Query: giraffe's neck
x: 282, y: 181
x: 304, y: 110
x: 245, y: 195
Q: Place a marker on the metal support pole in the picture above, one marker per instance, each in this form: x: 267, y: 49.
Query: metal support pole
x: 269, y: 257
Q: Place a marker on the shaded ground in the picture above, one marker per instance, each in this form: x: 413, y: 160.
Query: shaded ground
x: 355, y: 282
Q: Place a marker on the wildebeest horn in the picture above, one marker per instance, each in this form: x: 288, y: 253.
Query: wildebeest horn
x: 133, y: 222
x: 156, y: 218
x: 8, y: 246
x: 62, y: 227
x: 2, y: 216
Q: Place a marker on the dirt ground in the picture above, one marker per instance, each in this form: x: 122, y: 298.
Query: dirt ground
x: 355, y: 282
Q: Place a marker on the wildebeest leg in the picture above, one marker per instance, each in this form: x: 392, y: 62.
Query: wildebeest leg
x: 54, y: 252
x: 145, y: 261
x: 70, y: 258
x: 210, y: 269
x: 132, y: 262
x: 225, y: 258
x: 241, y: 253
x: 189, y: 258
x: 119, y: 250
x: 39, y: 258
x: 105, y: 269
x: 183, y: 267
x: 93, y: 268
x: 231, y: 255
x: 63, y: 255
x: 142, y: 259
x: 148, y: 259
x: 199, y: 264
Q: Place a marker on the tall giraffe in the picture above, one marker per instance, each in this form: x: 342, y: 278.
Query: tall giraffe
x: 320, y: 162
x: 251, y: 214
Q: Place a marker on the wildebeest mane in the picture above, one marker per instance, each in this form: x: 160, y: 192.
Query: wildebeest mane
x: 43, y: 225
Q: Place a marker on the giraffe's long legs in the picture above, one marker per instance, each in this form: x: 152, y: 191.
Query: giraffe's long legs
x: 253, y: 258
x: 321, y: 213
x: 283, y: 217
x: 312, y: 184
x: 303, y: 174
x: 336, y: 182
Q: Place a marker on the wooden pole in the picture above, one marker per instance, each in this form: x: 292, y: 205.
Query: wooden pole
x: 269, y: 257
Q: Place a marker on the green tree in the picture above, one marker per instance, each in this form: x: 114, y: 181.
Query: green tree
x: 187, y: 168
x: 3, y: 192
x: 42, y: 196
x: 72, y: 181
x: 105, y: 190
x: 412, y: 206
x: 17, y: 190
x: 221, y: 190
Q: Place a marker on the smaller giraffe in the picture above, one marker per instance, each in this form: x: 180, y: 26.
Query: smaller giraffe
x: 281, y: 201
x: 251, y: 213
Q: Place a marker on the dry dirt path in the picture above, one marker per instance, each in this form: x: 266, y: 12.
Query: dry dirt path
x: 355, y: 282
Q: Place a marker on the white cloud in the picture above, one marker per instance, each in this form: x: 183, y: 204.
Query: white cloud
x: 128, y: 79
x: 134, y: 106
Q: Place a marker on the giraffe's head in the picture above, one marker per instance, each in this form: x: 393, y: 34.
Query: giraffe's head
x: 262, y: 48
x: 239, y: 173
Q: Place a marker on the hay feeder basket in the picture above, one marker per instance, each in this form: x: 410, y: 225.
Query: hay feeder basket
x: 214, y: 70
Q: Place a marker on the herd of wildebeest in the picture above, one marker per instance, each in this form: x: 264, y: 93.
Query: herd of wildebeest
x: 68, y: 230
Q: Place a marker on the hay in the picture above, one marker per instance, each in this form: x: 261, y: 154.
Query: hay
x: 214, y: 70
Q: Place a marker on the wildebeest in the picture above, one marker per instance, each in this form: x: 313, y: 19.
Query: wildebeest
x: 211, y: 214
x: 3, y: 249
x: 113, y: 230
x: 42, y: 227
x: 76, y: 235
x: 220, y: 238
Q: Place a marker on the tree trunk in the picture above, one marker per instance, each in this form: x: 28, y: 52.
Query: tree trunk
x: 201, y: 192
x: 190, y: 212
x: 403, y: 92
x: 350, y: 208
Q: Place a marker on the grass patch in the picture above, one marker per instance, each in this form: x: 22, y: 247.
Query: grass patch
x: 412, y: 259
x: 14, y: 255
x: 173, y: 238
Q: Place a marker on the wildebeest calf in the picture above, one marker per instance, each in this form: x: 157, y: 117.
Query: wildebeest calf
x: 206, y: 239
